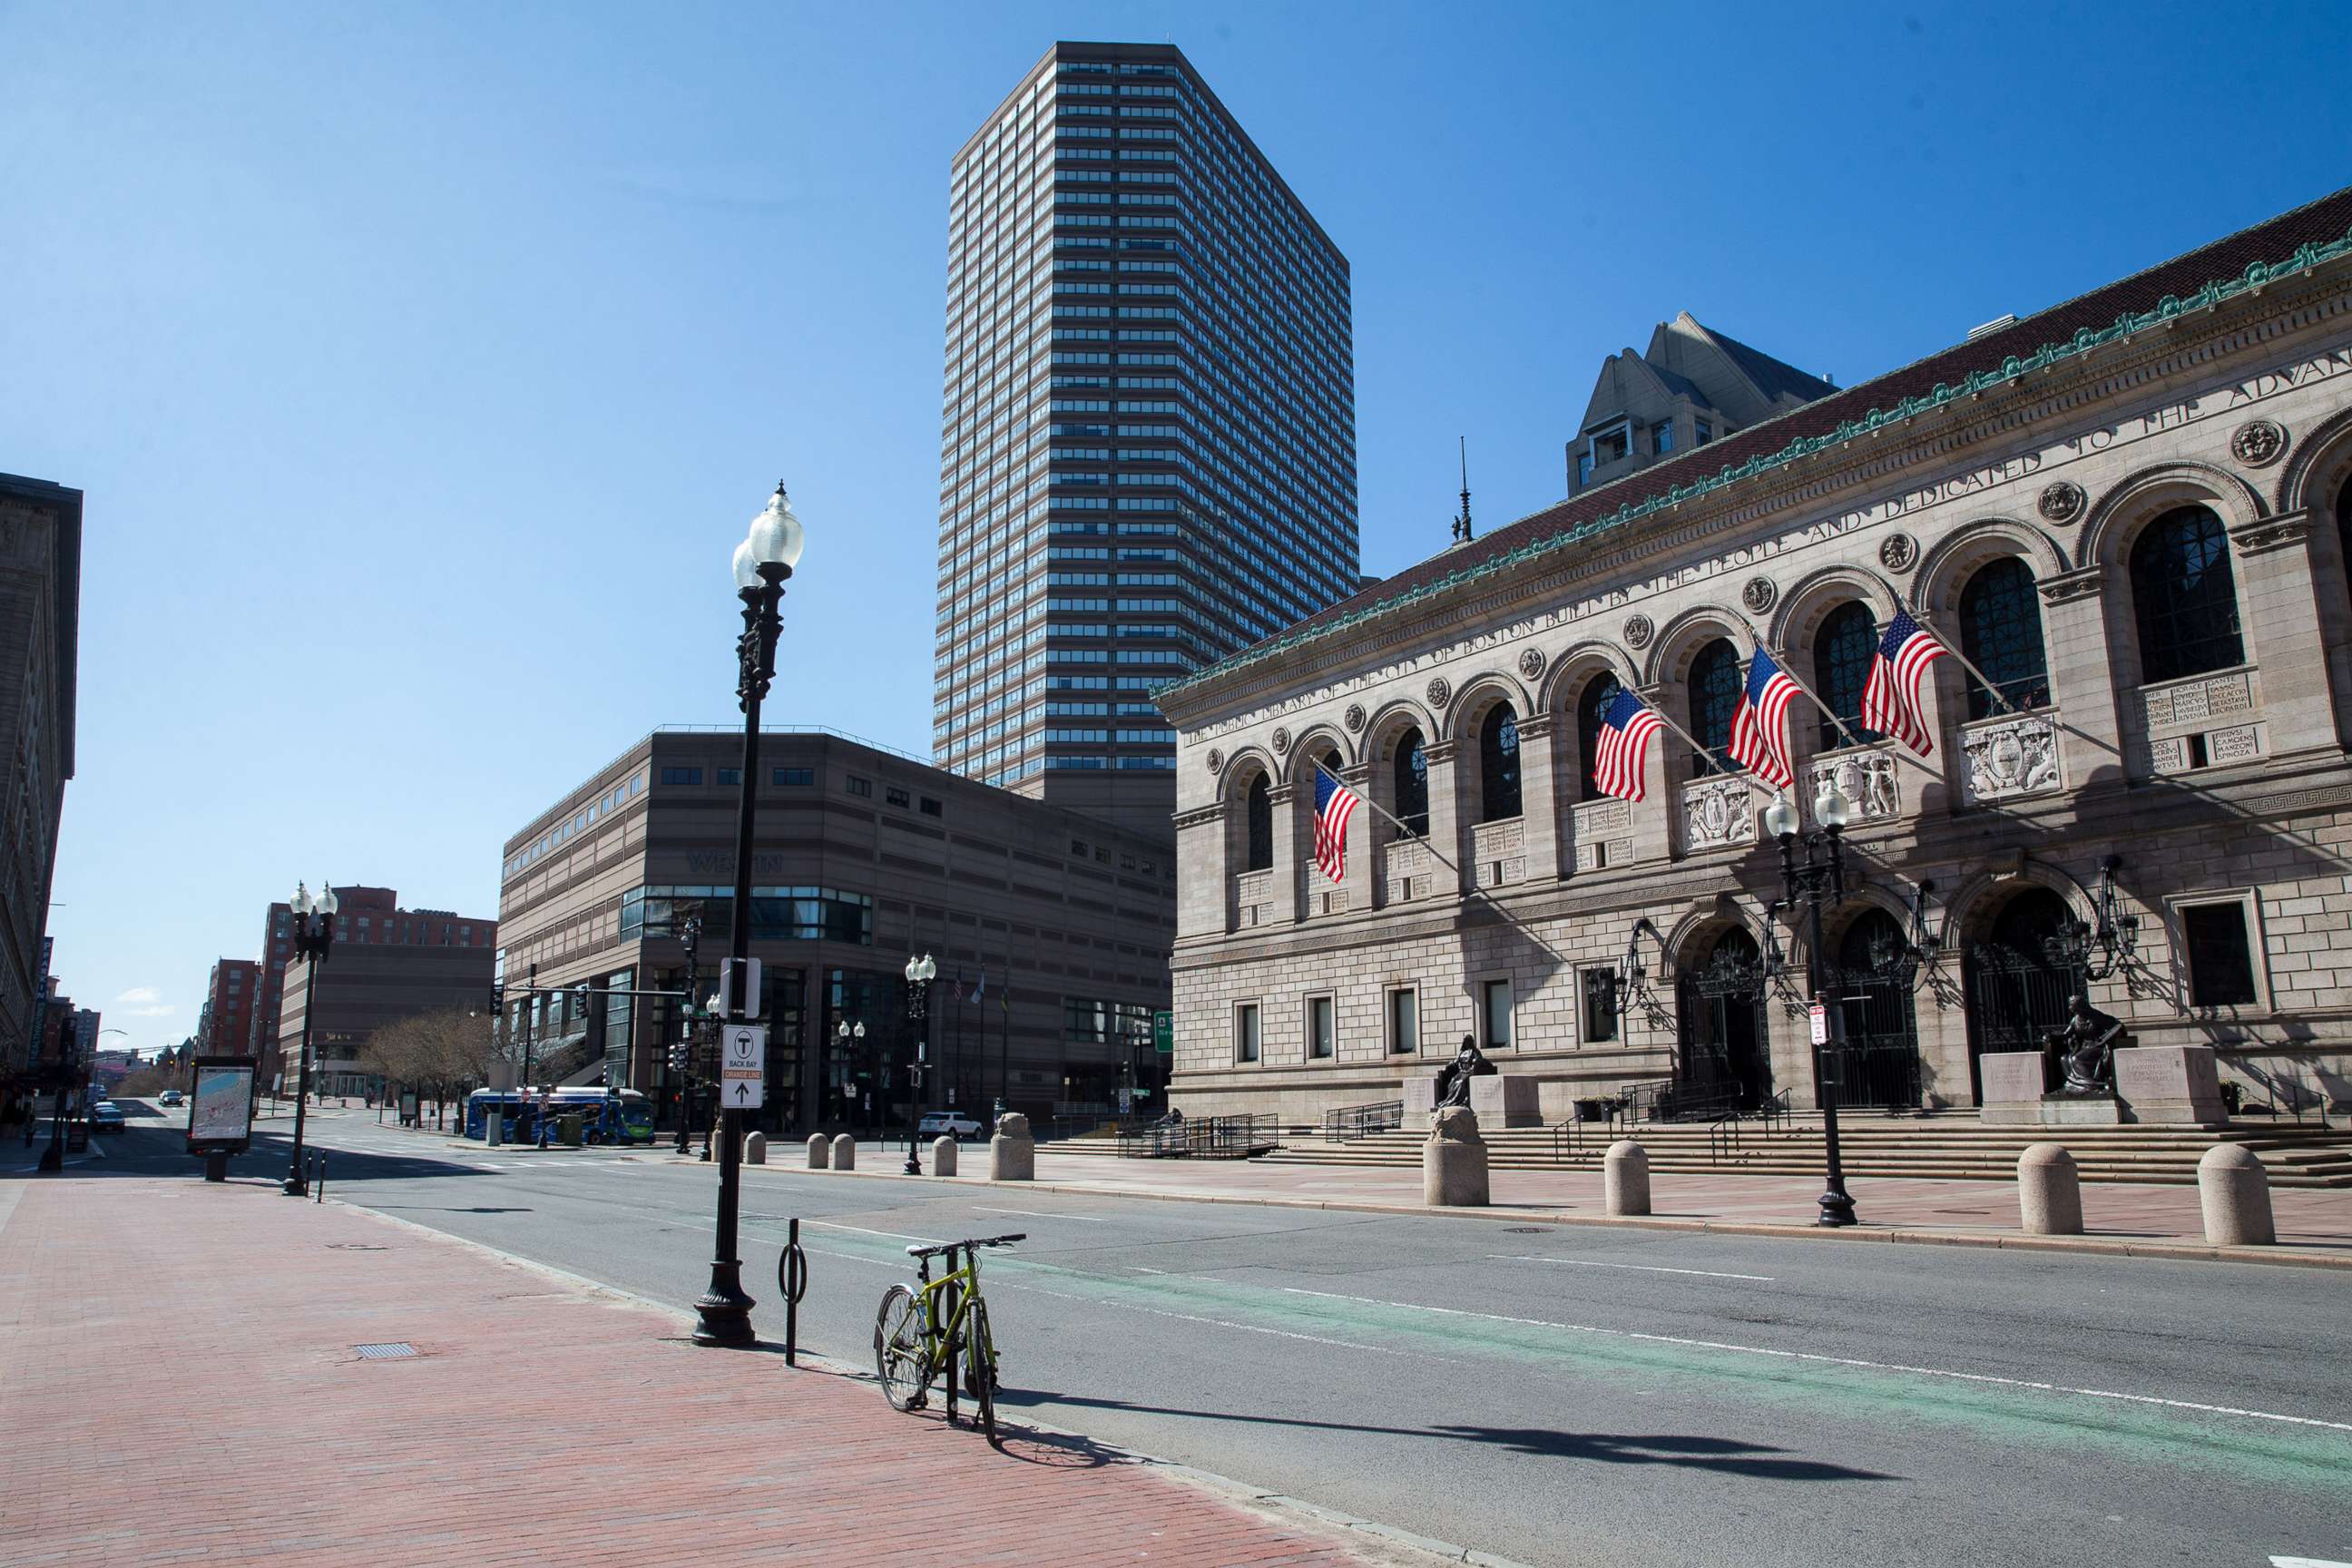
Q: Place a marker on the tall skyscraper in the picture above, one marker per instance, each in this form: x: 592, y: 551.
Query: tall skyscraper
x: 1149, y: 449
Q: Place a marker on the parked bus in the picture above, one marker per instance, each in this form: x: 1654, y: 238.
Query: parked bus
x: 605, y: 1116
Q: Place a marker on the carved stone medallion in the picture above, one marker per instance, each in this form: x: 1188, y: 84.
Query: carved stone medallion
x: 1758, y: 595
x: 1355, y: 716
x: 1281, y: 741
x: 1639, y: 631
x: 1898, y: 553
x: 1531, y: 662
x: 2258, y: 443
x: 1441, y: 692
x: 2060, y: 501
x: 1216, y: 758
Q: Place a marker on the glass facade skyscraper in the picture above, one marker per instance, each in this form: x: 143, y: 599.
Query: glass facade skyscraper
x: 1148, y: 458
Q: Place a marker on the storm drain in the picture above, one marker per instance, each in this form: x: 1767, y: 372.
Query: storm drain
x: 394, y: 1352
x: 1526, y: 1230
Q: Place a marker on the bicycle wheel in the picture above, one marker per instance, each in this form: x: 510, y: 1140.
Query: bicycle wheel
x: 902, y: 1360
x: 980, y: 1366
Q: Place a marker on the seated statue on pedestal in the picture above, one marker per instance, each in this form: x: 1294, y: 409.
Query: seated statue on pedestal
x: 1453, y: 1077
x: 2086, y: 1046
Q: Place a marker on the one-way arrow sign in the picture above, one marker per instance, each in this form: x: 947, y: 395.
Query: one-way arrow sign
x: 743, y: 1094
x: 743, y: 1066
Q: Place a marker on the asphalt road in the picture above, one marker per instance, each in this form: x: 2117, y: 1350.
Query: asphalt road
x: 1557, y: 1395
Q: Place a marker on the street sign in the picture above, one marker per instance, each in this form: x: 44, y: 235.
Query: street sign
x: 752, y: 1000
x: 1163, y: 1032
x: 743, y: 1067
x: 1821, y: 1018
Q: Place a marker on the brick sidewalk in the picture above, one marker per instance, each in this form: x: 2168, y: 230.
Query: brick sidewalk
x: 181, y: 1385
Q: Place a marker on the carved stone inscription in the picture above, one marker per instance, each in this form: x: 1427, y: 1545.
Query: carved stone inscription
x: 1867, y: 778
x: 2011, y: 757
x: 1718, y: 811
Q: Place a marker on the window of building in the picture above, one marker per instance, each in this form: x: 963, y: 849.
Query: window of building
x: 896, y: 795
x: 2220, y: 960
x: 1607, y: 445
x: 1319, y: 1027
x: 1661, y: 437
x: 681, y: 775
x: 1590, y: 708
x: 1600, y: 1000
x: 1498, y: 765
x: 794, y: 778
x: 1844, y: 650
x: 1411, y: 782
x: 1706, y: 432
x: 2001, y: 634
x: 1260, y: 827
x: 730, y: 776
x: 1245, y: 1032
x: 861, y: 786
x: 1404, y: 1022
x: 1583, y: 470
x: 1715, y: 683
x: 932, y: 808
x: 1494, y: 1013
x: 2185, y: 596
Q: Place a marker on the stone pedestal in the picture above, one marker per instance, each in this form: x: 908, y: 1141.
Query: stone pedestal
x: 755, y: 1149
x: 1505, y: 1099
x: 2173, y: 1085
x: 943, y: 1156
x: 820, y: 1152
x: 2049, y: 1191
x: 2235, y: 1193
x: 2011, y: 1083
x: 1420, y: 1099
x: 844, y: 1153
x: 1012, y: 1154
x: 1453, y: 1161
x: 1625, y: 1178
x: 2082, y: 1110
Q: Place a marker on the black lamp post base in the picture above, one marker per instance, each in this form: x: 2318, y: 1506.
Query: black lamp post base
x: 295, y: 1187
x: 52, y: 1159
x: 1837, y: 1208
x: 723, y: 1315
x: 914, y: 1166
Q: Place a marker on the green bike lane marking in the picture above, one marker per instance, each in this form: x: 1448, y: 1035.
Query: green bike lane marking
x: 2299, y: 1452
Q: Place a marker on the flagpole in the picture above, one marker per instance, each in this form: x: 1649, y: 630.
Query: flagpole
x: 1949, y: 647
x: 1901, y: 753
x: 1365, y: 797
x: 1687, y: 735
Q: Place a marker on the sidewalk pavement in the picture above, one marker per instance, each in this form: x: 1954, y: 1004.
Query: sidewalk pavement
x: 183, y: 1384
x: 2314, y: 1226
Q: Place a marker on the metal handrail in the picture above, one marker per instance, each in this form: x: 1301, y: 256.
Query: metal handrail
x: 1722, y: 1137
x: 1345, y: 1123
x: 1205, y: 1137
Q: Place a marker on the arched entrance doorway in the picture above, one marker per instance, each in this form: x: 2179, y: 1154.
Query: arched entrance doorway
x: 2016, y: 994
x: 1725, y: 1055
x: 1877, y: 1065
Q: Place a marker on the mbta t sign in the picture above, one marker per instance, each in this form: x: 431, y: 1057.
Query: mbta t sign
x: 743, y: 1067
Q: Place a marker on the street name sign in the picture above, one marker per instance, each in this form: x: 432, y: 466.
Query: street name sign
x: 743, y: 1067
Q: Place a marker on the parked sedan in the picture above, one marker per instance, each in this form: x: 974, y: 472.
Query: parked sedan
x: 106, y: 1117
x: 952, y: 1124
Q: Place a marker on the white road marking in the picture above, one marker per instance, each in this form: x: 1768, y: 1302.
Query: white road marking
x: 1644, y: 1267
x: 1032, y: 1213
x: 892, y: 1234
x: 2307, y: 1563
x: 1816, y: 1357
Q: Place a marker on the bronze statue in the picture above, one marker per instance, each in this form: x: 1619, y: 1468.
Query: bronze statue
x: 2084, y: 1046
x: 1453, y: 1077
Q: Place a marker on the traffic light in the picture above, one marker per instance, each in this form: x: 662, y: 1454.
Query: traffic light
x: 594, y: 999
x: 678, y: 1059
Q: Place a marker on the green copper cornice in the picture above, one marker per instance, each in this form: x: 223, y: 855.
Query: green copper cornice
x: 2167, y: 309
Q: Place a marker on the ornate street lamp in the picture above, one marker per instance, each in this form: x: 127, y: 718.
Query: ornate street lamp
x: 762, y: 563
x: 849, y: 1049
x: 2115, y: 939
x: 1818, y: 883
x: 314, y: 935
x: 920, y: 972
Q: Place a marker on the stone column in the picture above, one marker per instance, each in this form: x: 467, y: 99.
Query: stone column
x: 2282, y: 633
x: 1362, y: 883
x: 2076, y: 644
x: 1449, y: 831
x: 1289, y: 900
x: 1453, y: 1161
x: 1539, y: 798
x: 1012, y: 1154
x: 1661, y: 787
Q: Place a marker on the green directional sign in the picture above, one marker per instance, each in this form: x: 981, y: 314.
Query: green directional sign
x: 1163, y: 1032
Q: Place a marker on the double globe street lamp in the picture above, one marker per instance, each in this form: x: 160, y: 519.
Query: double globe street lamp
x: 314, y: 933
x: 763, y: 562
x: 1819, y: 883
x: 920, y: 972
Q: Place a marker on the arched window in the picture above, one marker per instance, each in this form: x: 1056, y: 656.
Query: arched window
x: 1498, y: 765
x: 2185, y: 596
x: 1715, y: 681
x: 1261, y: 826
x: 1411, y: 784
x: 1843, y: 652
x: 2001, y: 634
x: 1599, y: 693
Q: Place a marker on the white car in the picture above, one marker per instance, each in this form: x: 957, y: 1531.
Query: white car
x: 952, y: 1124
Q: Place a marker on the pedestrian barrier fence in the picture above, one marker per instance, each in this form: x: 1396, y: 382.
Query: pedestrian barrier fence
x: 1203, y: 1138
x: 1346, y: 1123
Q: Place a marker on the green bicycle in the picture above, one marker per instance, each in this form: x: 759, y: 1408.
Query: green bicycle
x: 923, y: 1329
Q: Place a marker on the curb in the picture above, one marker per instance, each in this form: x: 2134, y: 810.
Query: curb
x: 1404, y: 1546
x: 2007, y: 1241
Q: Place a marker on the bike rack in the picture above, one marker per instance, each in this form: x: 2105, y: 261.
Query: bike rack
x: 791, y: 1281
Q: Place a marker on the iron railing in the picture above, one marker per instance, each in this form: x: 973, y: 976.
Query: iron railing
x: 1202, y: 1138
x: 1346, y: 1123
x: 1669, y: 1100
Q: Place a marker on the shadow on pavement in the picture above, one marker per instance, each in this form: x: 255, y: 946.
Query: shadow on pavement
x: 1684, y: 1451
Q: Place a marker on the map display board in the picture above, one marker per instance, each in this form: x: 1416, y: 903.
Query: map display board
x: 220, y: 1112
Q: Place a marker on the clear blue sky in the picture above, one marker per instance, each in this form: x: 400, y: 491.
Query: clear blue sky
x: 422, y: 363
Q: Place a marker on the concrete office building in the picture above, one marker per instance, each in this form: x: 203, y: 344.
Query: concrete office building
x: 1148, y: 456
x: 863, y: 860
x: 2131, y: 511
x: 387, y: 964
x: 40, y: 615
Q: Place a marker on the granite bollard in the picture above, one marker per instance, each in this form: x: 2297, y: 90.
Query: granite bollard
x: 1625, y: 1179
x: 1012, y: 1154
x: 1453, y: 1161
x: 819, y: 1148
x: 943, y: 1156
x: 755, y: 1149
x: 844, y: 1153
x: 2049, y: 1191
x: 2235, y: 1193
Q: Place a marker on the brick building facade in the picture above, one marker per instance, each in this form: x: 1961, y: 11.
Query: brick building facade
x: 387, y: 964
x: 2130, y: 510
x: 40, y: 611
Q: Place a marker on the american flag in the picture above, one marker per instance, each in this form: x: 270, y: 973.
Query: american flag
x: 1334, y: 803
x: 1621, y: 750
x: 1890, y: 701
x: 1759, y: 730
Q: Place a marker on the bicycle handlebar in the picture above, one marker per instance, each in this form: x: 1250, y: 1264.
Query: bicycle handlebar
x: 937, y: 1248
